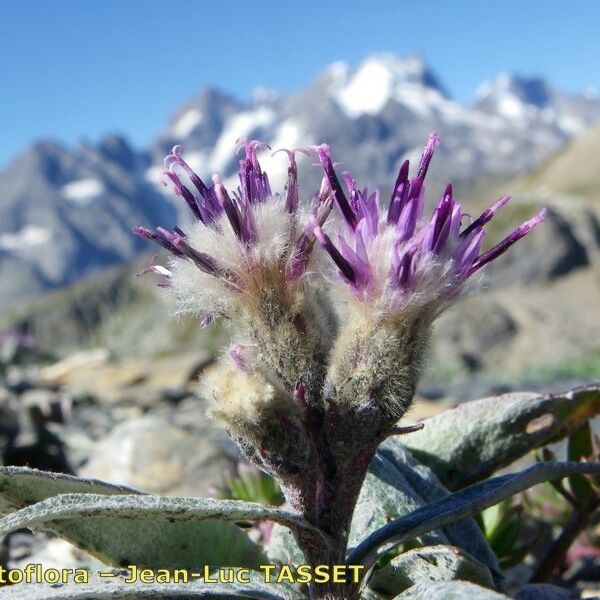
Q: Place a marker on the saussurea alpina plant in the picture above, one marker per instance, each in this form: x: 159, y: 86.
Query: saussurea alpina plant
x: 327, y: 354
x: 330, y: 300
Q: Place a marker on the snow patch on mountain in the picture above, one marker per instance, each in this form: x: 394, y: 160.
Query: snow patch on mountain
x: 27, y: 237
x: 384, y: 77
x: 289, y: 134
x: 187, y: 122
x: 368, y: 90
x: 244, y: 124
x: 83, y: 191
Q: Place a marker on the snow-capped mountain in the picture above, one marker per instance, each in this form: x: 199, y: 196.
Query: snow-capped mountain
x: 524, y: 99
x: 380, y: 111
x: 66, y: 213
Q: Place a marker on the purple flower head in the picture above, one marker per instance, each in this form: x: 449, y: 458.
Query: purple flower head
x: 397, y: 257
x: 238, y: 233
x: 246, y: 237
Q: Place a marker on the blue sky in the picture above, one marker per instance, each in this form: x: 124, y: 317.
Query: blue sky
x: 80, y: 68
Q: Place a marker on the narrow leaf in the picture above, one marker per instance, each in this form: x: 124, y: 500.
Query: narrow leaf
x: 153, y: 508
x: 105, y: 589
x: 459, y: 505
x: 21, y: 486
x: 124, y: 541
x: 465, y: 444
x: 408, y: 475
x: 452, y: 590
x: 432, y: 563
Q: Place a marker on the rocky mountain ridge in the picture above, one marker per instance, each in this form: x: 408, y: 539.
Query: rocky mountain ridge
x: 67, y: 213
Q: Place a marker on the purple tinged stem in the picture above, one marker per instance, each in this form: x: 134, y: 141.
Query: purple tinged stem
x: 507, y: 242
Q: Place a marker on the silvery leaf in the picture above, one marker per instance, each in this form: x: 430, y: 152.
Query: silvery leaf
x: 465, y: 444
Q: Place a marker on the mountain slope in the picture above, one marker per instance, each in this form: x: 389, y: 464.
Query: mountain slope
x: 574, y: 171
x: 67, y: 214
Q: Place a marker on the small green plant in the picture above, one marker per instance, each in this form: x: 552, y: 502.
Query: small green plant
x: 502, y: 525
x: 251, y: 485
x: 327, y: 349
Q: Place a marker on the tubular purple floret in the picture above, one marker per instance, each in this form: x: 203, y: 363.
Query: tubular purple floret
x: 203, y: 261
x: 467, y: 251
x: 401, y: 179
x: 324, y: 156
x: 399, y: 194
x: 342, y: 264
x: 406, y: 269
x: 171, y: 236
x: 142, y: 232
x: 300, y: 255
x: 159, y: 238
x: 182, y: 191
x: 251, y: 147
x: 255, y: 183
x: 508, y: 241
x: 486, y: 215
x: 358, y: 259
x: 229, y: 206
x: 439, y: 226
x: 291, y: 188
x: 176, y: 158
x: 432, y: 144
x: 406, y: 223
